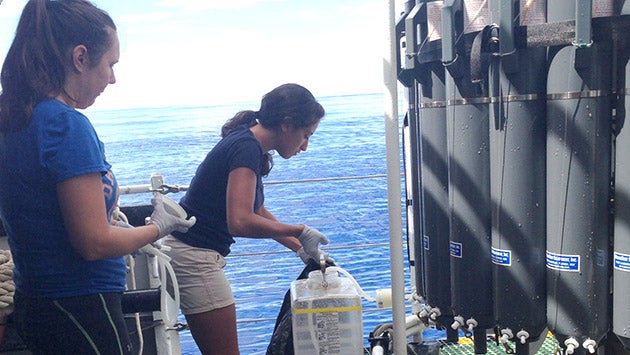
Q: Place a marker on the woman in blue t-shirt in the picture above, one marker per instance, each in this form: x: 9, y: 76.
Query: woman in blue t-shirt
x: 226, y: 196
x: 57, y: 191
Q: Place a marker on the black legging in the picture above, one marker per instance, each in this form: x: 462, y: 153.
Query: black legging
x: 91, y: 324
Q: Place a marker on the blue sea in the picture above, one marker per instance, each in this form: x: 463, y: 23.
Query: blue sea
x: 352, y: 213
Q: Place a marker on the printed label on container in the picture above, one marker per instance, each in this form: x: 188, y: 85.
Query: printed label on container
x: 533, y: 12
x: 476, y: 15
x: 501, y: 256
x: 603, y: 8
x: 622, y: 262
x: 434, y: 17
x: 425, y: 242
x: 328, y: 333
x: 456, y: 249
x: 563, y: 262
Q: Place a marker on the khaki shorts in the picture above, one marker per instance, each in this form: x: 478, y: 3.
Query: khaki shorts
x: 203, y: 286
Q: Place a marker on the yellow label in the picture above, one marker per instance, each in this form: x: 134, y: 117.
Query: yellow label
x: 325, y: 310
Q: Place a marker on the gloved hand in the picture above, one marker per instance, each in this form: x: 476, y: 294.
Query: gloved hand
x: 167, y: 222
x: 305, y: 257
x: 310, y: 238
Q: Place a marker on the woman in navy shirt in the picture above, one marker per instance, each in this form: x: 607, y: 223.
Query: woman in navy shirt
x: 226, y: 196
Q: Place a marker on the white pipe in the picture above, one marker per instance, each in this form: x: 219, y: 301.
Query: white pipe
x: 413, y: 331
x: 393, y: 183
x: 134, y: 189
x: 139, y: 189
x: 412, y: 321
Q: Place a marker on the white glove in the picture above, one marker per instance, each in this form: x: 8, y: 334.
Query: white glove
x: 167, y: 222
x: 305, y: 257
x: 310, y: 238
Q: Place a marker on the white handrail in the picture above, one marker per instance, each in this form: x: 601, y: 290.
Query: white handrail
x: 390, y: 72
x: 146, y: 188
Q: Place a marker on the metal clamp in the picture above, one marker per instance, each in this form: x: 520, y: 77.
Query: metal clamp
x: 322, y: 265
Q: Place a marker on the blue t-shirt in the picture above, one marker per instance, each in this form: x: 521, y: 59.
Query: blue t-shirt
x: 206, y: 195
x: 59, y: 143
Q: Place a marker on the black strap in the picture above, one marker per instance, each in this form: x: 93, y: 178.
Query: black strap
x: 481, y: 52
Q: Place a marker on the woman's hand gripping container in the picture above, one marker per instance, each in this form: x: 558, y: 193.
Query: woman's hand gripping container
x: 327, y: 316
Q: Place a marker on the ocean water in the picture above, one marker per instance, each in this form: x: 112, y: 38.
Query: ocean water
x: 352, y: 213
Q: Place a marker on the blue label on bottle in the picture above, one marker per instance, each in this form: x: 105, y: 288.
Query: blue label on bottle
x: 425, y: 242
x: 502, y: 257
x: 622, y: 262
x: 563, y: 262
x: 456, y: 249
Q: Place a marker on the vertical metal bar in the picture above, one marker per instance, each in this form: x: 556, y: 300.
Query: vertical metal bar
x: 393, y: 183
x: 448, y: 32
x: 583, y: 16
x: 411, y: 31
x: 507, y: 26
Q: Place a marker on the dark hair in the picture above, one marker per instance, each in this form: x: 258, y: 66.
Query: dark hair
x: 39, y: 57
x: 288, y: 103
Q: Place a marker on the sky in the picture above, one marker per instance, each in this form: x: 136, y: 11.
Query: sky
x: 208, y: 52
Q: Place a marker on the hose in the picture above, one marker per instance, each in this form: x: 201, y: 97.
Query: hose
x: 120, y: 216
x: 164, y: 264
x: 354, y: 282
x: 7, y: 286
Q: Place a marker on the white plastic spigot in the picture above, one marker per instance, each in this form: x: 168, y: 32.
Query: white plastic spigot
x: 424, y: 313
x: 590, y: 345
x: 416, y: 302
x: 571, y: 344
x: 523, y: 335
x: 506, y: 334
x: 414, y: 297
x: 471, y: 323
x: 434, y: 314
x: 458, y: 322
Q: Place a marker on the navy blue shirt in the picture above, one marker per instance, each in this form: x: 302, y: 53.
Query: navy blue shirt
x: 206, y: 196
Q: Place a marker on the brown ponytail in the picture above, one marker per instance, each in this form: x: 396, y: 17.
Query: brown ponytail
x: 247, y: 117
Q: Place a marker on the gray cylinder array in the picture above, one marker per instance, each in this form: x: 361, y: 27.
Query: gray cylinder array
x: 578, y: 193
x: 524, y: 170
x: 517, y: 141
x: 431, y: 249
x: 435, y: 198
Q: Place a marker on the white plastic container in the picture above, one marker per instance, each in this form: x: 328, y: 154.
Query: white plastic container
x: 326, y: 320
